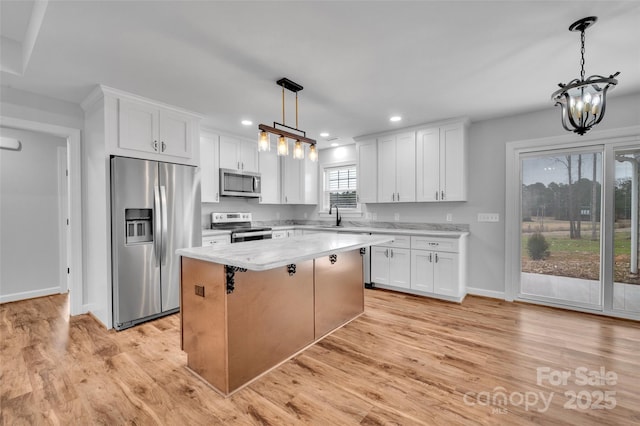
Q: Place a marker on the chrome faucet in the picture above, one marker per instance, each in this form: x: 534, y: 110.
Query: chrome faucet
x: 338, y: 218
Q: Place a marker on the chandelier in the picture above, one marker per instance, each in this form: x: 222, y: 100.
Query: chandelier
x: 583, y: 100
x: 285, y: 132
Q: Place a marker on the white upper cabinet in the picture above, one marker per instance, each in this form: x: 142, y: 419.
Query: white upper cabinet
x: 299, y: 181
x: 367, y: 152
x: 238, y: 154
x: 441, y: 158
x: 396, y: 168
x: 149, y: 128
x: 209, y: 175
x: 270, y: 173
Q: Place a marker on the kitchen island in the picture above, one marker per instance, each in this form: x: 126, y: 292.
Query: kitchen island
x: 248, y: 307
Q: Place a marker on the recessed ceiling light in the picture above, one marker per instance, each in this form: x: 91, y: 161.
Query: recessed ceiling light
x: 395, y: 118
x: 247, y: 122
x: 324, y: 134
x: 334, y: 144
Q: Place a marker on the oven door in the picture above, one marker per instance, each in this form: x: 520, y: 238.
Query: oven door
x: 238, y: 237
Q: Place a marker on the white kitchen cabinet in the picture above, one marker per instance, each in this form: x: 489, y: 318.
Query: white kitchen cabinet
x: 276, y: 235
x: 238, y: 154
x: 396, y: 168
x: 269, y: 166
x: 149, y: 128
x: 367, y: 169
x: 441, y: 158
x: 438, y: 266
x: 391, y: 263
x: 299, y: 181
x: 216, y: 240
x: 209, y: 168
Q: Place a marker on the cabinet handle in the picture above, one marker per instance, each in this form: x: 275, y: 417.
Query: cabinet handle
x: 394, y: 196
x: 164, y: 146
x: 386, y: 253
x: 436, y: 257
x: 430, y: 257
x: 436, y: 195
x: 442, y: 195
x: 392, y: 253
x: 238, y: 165
x: 398, y: 196
x: 155, y: 145
x: 285, y: 199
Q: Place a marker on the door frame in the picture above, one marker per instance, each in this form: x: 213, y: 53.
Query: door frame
x: 74, y: 155
x: 63, y: 215
x: 607, y: 138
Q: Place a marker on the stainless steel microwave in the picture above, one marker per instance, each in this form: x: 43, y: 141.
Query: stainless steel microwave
x: 235, y: 183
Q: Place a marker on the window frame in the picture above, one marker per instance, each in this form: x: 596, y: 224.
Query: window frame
x: 347, y: 212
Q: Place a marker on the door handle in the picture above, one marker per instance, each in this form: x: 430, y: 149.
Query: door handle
x: 164, y: 146
x: 155, y: 145
x: 157, y: 221
x: 165, y: 242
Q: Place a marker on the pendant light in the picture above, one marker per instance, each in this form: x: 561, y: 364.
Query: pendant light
x: 583, y: 101
x: 289, y: 133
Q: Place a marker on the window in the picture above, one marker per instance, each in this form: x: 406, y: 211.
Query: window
x: 340, y: 185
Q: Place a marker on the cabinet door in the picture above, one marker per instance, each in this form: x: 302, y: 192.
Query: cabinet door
x: 276, y: 235
x: 380, y: 264
x: 248, y: 156
x: 270, y: 173
x: 310, y: 179
x: 291, y: 178
x: 400, y: 267
x: 229, y: 153
x: 209, y: 172
x: 422, y: 270
x: 428, y: 165
x: 445, y: 274
x: 138, y: 126
x: 453, y: 163
x: 367, y: 172
x: 386, y: 169
x: 175, y: 134
x: 406, y: 167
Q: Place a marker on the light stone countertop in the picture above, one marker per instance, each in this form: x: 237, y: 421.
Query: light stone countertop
x: 347, y: 229
x: 262, y: 255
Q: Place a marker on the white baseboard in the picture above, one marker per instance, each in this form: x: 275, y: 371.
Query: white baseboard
x: 486, y: 293
x: 13, y: 297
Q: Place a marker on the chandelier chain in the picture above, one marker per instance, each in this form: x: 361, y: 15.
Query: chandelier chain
x: 582, y: 55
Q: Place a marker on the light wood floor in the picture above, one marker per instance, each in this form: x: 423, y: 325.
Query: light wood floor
x: 407, y: 360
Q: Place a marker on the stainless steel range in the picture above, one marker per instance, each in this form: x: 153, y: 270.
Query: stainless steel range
x: 240, y: 226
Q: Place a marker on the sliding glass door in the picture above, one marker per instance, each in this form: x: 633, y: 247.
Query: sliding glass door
x: 626, y: 250
x: 560, y: 240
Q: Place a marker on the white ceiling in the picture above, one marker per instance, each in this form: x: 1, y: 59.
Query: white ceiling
x: 359, y: 61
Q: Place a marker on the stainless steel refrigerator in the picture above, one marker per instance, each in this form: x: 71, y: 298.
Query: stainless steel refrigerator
x: 155, y: 210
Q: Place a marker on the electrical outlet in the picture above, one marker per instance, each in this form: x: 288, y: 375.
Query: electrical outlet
x: 396, y: 216
x: 449, y: 217
x: 488, y: 217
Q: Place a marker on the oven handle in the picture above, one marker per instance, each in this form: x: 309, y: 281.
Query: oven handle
x: 250, y: 234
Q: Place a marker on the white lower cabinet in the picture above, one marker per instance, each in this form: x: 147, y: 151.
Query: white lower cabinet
x: 432, y: 266
x: 276, y: 235
x: 391, y: 263
x: 216, y: 240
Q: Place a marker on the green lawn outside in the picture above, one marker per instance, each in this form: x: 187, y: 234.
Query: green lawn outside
x: 562, y: 243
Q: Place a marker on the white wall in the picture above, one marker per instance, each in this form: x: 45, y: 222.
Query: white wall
x: 29, y: 220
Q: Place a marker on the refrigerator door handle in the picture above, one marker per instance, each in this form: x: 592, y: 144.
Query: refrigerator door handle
x: 156, y: 224
x: 165, y: 242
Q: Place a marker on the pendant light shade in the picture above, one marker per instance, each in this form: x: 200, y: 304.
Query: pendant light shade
x: 264, y: 144
x: 283, y: 146
x: 583, y: 100
x: 313, y: 153
x: 298, y: 151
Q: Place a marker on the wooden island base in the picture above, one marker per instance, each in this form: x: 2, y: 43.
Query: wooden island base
x: 239, y: 324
